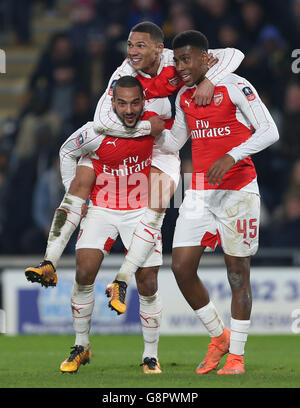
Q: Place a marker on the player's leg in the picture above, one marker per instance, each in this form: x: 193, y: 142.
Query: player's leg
x: 238, y: 272
x: 97, y: 235
x: 66, y: 219
x: 195, y: 225
x: 238, y: 219
x: 161, y: 190
x: 88, y: 262
x: 150, y: 314
x: 146, y: 235
x: 185, y: 262
x: 116, y: 290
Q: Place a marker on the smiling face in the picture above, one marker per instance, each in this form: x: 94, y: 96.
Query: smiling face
x: 191, y: 64
x: 128, y: 104
x: 144, y: 53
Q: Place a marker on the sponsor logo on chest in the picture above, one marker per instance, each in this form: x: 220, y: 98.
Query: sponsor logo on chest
x: 130, y: 165
x: 205, y: 130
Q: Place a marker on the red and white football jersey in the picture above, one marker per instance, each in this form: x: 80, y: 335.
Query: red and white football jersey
x: 122, y: 170
x: 120, y: 164
x: 236, y: 122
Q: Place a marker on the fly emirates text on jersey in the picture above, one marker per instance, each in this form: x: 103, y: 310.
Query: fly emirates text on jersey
x: 204, y: 130
x: 130, y: 166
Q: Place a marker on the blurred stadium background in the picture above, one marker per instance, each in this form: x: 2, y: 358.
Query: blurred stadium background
x: 59, y: 57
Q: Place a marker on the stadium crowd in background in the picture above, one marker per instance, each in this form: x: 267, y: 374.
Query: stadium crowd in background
x: 74, y: 69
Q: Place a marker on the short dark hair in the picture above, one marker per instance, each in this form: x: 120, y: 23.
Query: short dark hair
x: 155, y: 32
x: 190, y: 37
x: 127, y: 81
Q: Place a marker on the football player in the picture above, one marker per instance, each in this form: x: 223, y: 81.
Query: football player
x: 222, y: 205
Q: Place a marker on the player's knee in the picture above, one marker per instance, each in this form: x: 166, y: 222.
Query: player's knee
x: 237, y: 277
x: 147, y: 288
x: 180, y: 269
x: 238, y: 272
x: 147, y: 282
x: 83, y: 276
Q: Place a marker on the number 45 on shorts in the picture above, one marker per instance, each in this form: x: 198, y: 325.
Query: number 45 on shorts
x: 248, y: 228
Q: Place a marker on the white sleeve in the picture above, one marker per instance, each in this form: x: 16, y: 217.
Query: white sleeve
x: 172, y: 140
x: 229, y: 60
x: 105, y: 119
x: 252, y: 109
x: 80, y: 143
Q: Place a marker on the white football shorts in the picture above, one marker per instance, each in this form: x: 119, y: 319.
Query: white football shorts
x: 169, y: 163
x: 225, y: 217
x: 101, y: 226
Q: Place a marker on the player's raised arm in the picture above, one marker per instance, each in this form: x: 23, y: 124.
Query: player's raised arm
x: 229, y: 59
x: 80, y: 143
x: 253, y: 109
x: 172, y: 140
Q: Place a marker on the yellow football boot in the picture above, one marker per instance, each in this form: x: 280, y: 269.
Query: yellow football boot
x: 44, y: 274
x: 78, y: 356
x: 151, y: 366
x: 116, y: 290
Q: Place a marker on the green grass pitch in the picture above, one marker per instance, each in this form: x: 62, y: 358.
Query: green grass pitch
x: 33, y: 361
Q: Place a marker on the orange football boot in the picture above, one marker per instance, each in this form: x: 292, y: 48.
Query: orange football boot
x: 234, y: 365
x: 217, y: 348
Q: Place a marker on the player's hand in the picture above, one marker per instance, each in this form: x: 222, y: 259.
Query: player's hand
x: 211, y: 60
x: 204, y: 92
x: 157, y: 125
x: 84, y: 210
x: 219, y: 168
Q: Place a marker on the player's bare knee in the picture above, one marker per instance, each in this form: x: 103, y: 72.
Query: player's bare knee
x: 84, y: 276
x: 146, y: 281
x: 238, y: 272
x: 178, y: 266
x: 237, y: 278
x: 181, y: 270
